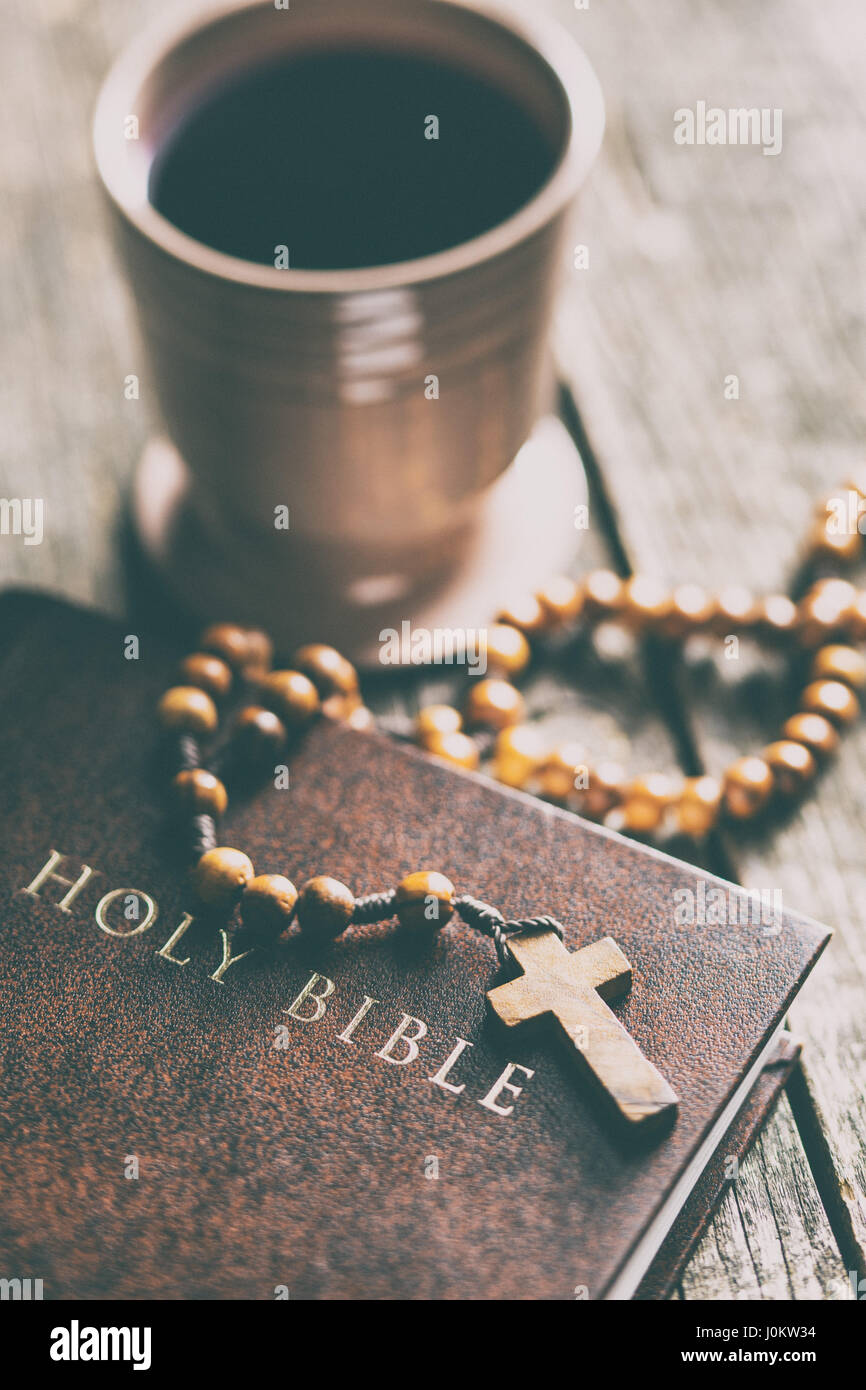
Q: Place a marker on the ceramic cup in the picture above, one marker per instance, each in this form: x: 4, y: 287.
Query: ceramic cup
x: 305, y: 389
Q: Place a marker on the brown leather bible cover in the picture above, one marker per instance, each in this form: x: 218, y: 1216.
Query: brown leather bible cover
x: 271, y: 1155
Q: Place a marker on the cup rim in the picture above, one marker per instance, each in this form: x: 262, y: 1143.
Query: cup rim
x: 550, y: 40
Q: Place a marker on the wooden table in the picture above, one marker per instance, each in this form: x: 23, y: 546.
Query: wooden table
x: 703, y: 262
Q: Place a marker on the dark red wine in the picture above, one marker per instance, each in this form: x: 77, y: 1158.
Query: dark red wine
x: 327, y: 154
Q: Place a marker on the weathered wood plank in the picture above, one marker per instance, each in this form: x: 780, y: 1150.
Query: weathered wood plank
x: 771, y: 1205
x: 713, y: 261
x: 67, y: 344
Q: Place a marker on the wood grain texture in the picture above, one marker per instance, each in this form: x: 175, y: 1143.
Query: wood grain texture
x: 571, y: 989
x: 67, y: 342
x: 771, y: 1208
x: 703, y: 262
x: 708, y: 262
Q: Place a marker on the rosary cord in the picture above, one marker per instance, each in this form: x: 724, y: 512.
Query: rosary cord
x: 202, y: 829
x: 485, y: 919
x: 188, y: 753
x: 374, y: 907
x: 490, y: 922
x: 481, y: 916
x: 204, y: 836
x: 530, y: 924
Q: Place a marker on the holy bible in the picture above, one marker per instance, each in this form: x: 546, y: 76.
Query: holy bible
x: 185, y: 1120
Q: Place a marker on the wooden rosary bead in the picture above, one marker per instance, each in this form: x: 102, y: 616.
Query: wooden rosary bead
x: 260, y: 653
x: 220, y: 877
x: 692, y: 610
x: 292, y: 695
x: 329, y: 671
x: 527, y: 614
x: 842, y: 590
x: 424, y: 901
x: 635, y: 817
x: 561, y: 601
x: 736, y: 610
x: 507, y: 650
x: 434, y: 720
x: 656, y: 787
x: 361, y: 718
x: 187, y: 710
x: 778, y: 616
x: 267, y: 905
x: 200, y: 793
x: 558, y: 772
x: 826, y: 541
x: 747, y: 786
x: 647, y: 602
x: 457, y: 749
x: 229, y: 641
x: 518, y: 754
x: 644, y: 803
x: 325, y: 907
x: 494, y: 703
x: 697, y: 807
x: 825, y: 611
x: 816, y: 732
x: 855, y: 619
x: 605, y: 790
x: 839, y: 663
x: 339, y: 708
x: 208, y: 672
x: 259, y: 732
x: 834, y: 700
x: 792, y: 765
x: 603, y: 596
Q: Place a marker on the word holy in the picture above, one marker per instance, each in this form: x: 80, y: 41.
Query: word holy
x: 22, y: 516
x: 75, y: 1343
x: 738, y: 126
x: 403, y: 1046
x: 711, y: 905
x: 118, y: 913
x: 424, y: 646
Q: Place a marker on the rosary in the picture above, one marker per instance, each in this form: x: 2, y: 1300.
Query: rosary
x: 572, y: 988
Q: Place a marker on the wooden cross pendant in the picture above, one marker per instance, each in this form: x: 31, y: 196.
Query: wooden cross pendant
x: 572, y: 987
